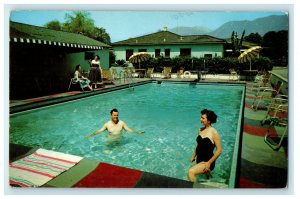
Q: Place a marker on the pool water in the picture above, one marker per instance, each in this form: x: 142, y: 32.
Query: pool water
x: 168, y: 113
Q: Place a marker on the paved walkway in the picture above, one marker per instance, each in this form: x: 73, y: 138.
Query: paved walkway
x: 261, y: 166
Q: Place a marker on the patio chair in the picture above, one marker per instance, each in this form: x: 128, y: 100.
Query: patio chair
x: 278, y: 119
x: 149, y: 72
x: 180, y: 73
x: 260, y: 83
x: 233, y: 74
x: 166, y: 73
x: 278, y: 104
x: 266, y: 95
x: 114, y: 74
x: 107, y: 76
x: 74, y: 83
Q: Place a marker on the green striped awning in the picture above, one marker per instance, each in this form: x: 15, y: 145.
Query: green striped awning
x: 23, y: 33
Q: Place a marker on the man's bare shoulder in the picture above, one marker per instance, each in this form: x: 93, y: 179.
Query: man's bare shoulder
x: 108, y: 123
x: 121, y: 122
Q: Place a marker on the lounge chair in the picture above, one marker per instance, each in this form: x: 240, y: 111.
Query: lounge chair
x: 149, y: 72
x: 107, y: 76
x: 266, y: 95
x: 277, y: 105
x: 114, y: 74
x: 133, y: 72
x: 166, y: 73
x: 233, y: 74
x: 261, y: 82
x: 180, y: 73
x: 74, y: 82
x: 279, y: 119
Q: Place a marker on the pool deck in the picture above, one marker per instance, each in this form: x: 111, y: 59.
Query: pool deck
x: 259, y: 166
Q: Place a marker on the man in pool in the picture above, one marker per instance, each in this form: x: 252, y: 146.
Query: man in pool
x: 114, y: 127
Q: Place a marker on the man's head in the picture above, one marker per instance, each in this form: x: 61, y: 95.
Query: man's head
x: 114, y: 114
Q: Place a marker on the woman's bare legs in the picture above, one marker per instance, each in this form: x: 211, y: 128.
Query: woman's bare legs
x: 195, y: 170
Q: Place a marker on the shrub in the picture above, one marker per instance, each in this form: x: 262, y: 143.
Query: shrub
x: 216, y: 65
x: 120, y: 62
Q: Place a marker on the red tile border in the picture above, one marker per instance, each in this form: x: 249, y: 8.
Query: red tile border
x: 110, y: 176
x: 258, y: 131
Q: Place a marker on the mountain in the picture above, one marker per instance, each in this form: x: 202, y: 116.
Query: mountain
x: 260, y: 25
x: 197, y: 30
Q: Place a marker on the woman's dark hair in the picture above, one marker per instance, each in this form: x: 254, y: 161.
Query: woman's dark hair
x: 210, y: 115
x: 77, y: 67
x: 114, y: 110
x: 97, y: 57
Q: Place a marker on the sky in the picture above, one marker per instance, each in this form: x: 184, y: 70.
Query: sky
x: 121, y: 25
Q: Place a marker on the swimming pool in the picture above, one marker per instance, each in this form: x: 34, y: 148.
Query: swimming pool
x: 169, y: 114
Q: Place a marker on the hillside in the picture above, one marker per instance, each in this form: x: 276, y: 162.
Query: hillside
x: 260, y: 25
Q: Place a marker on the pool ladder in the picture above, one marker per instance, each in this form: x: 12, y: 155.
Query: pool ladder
x: 127, y: 75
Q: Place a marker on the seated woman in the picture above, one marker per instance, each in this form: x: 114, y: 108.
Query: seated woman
x: 83, y: 81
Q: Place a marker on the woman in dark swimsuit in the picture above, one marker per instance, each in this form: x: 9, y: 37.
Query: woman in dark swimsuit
x: 207, y: 140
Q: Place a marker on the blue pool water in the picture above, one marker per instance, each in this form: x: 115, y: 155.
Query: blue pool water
x: 168, y: 113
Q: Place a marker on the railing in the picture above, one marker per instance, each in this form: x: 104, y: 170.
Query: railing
x: 126, y: 74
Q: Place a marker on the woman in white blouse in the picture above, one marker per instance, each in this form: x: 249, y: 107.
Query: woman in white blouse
x: 95, y: 74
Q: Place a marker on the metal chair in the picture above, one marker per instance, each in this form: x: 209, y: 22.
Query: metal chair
x: 166, y: 73
x: 149, y: 72
x: 262, y: 82
x: 278, y: 105
x: 74, y: 81
x: 233, y: 74
x: 279, y: 118
x: 265, y: 95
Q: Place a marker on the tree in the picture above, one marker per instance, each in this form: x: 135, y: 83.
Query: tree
x: 81, y: 23
x: 236, y: 43
x: 100, y: 34
x: 54, y: 25
x: 254, y: 38
x: 275, y: 46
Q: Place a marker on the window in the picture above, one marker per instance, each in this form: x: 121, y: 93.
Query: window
x: 185, y: 52
x: 129, y: 52
x: 157, y: 52
x: 167, y: 52
x: 89, y: 55
x: 208, y: 56
x: 142, y: 50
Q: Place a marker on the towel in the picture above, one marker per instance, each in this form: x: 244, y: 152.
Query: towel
x: 38, y: 168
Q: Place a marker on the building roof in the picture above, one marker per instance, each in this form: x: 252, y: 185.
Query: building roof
x: 33, y: 34
x: 169, y: 38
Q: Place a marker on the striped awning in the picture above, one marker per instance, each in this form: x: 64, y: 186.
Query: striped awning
x: 53, y: 43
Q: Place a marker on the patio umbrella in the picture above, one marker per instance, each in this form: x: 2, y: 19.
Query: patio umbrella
x: 139, y: 57
x: 249, y: 54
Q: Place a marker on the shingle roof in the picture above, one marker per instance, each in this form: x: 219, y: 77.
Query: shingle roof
x: 34, y: 34
x: 166, y: 37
